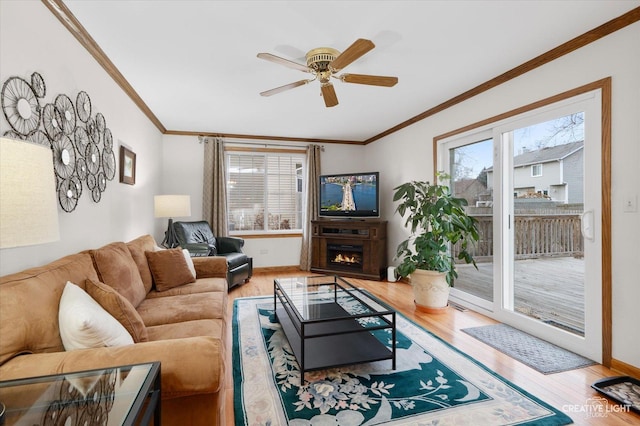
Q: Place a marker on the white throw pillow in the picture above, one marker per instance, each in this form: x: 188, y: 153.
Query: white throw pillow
x: 85, y: 324
x: 187, y: 257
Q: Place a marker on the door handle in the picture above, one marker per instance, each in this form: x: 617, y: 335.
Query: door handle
x: 586, y: 221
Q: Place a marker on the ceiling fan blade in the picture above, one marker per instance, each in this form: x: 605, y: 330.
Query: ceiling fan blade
x: 372, y: 80
x: 329, y: 95
x: 282, y: 61
x: 284, y: 88
x: 353, y: 52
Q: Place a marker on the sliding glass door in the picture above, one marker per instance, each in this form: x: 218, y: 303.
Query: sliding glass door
x: 470, y: 165
x: 538, y: 210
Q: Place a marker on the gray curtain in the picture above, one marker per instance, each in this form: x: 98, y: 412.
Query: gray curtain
x: 214, y: 195
x: 311, y: 205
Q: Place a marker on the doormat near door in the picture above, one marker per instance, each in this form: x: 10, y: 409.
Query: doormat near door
x: 538, y: 354
x: 434, y: 383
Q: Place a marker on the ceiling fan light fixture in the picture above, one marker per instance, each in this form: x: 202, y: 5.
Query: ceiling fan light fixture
x: 320, y: 58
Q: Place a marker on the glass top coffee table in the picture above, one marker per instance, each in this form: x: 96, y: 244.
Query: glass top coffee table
x: 329, y: 322
x: 125, y: 395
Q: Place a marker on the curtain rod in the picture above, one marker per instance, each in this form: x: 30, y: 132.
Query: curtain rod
x: 202, y: 139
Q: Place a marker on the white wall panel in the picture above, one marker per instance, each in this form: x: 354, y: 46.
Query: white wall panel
x: 32, y: 39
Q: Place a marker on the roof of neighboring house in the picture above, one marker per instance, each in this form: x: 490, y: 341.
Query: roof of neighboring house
x: 463, y: 185
x: 544, y: 155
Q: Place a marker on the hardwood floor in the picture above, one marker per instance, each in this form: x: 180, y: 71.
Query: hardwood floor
x: 570, y: 389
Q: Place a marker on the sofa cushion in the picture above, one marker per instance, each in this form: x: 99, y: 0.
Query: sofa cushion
x: 137, y: 248
x: 120, y: 308
x: 185, y: 307
x: 209, y: 267
x: 179, y: 330
x: 169, y: 268
x: 201, y: 285
x: 29, y: 305
x: 85, y: 324
x: 203, y: 355
x: 117, y: 269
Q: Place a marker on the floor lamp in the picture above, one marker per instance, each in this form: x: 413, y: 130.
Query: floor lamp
x: 171, y: 206
x: 28, y: 196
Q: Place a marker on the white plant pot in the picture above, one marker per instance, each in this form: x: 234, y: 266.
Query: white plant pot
x: 430, y: 290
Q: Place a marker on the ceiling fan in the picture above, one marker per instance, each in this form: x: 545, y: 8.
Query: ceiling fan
x: 324, y: 63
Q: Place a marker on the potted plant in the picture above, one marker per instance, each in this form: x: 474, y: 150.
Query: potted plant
x: 437, y: 221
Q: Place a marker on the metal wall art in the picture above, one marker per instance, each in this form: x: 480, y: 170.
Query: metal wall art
x: 81, y: 144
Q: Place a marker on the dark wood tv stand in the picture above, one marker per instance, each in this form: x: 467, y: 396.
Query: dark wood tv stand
x: 349, y: 247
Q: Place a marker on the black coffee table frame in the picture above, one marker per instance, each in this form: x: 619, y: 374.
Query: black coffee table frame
x: 326, y: 335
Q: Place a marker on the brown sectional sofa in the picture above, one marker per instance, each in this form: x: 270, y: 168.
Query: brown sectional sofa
x: 184, y: 327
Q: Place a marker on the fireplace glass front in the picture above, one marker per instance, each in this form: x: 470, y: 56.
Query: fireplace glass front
x: 345, y: 256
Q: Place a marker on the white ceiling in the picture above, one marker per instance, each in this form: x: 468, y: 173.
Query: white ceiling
x: 194, y: 62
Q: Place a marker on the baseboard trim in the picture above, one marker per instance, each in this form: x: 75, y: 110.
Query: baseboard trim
x: 276, y: 269
x: 625, y: 368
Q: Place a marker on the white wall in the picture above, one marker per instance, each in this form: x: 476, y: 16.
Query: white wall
x: 617, y: 56
x: 32, y: 39
x: 182, y: 167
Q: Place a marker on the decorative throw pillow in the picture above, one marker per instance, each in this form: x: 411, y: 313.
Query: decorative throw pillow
x: 190, y: 265
x: 120, y: 308
x: 85, y: 324
x: 137, y: 248
x: 169, y: 268
x: 116, y: 268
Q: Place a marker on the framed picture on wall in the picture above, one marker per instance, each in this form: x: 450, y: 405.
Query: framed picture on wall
x: 127, y: 166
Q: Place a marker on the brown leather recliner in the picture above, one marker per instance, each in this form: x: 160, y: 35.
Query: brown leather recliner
x: 198, y: 238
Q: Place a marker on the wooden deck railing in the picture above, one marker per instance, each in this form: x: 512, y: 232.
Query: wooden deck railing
x: 536, y: 236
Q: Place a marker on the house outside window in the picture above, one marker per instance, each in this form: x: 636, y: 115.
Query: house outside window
x: 536, y: 170
x: 264, y: 192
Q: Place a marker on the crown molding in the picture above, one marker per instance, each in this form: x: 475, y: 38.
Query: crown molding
x: 263, y: 137
x: 576, y: 43
x: 64, y: 15
x: 67, y: 18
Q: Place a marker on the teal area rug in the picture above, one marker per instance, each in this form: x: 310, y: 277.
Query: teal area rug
x: 433, y: 384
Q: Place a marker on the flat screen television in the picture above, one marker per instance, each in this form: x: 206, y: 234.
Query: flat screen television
x: 350, y: 195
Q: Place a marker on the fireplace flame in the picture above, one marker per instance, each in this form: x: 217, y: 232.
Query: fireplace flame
x: 340, y: 258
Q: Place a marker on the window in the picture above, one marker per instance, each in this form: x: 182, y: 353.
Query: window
x: 264, y: 191
x: 536, y: 170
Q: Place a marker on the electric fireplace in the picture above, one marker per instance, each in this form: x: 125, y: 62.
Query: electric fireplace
x: 348, y: 256
x: 352, y: 248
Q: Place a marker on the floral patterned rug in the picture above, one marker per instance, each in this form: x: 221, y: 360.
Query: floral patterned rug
x: 433, y: 383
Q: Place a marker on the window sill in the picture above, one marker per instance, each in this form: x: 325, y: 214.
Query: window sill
x: 272, y: 234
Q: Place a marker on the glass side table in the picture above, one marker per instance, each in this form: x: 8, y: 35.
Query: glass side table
x: 124, y: 395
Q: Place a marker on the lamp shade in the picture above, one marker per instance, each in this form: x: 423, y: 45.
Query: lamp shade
x: 28, y: 205
x: 172, y: 205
